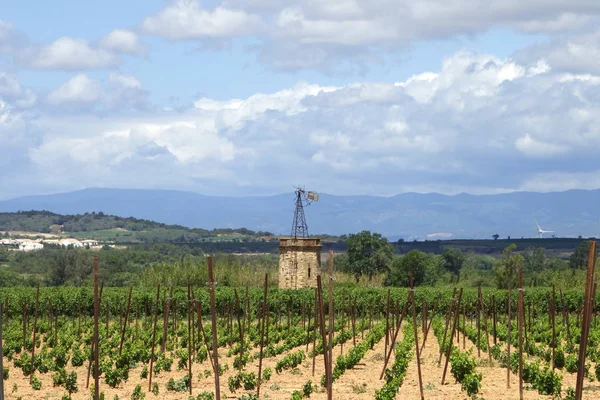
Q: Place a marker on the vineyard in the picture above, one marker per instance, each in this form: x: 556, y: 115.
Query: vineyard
x: 343, y: 341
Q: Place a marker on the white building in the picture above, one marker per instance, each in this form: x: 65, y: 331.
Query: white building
x: 70, y: 242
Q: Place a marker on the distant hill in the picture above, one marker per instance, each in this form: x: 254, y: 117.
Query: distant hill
x: 409, y: 215
x: 120, y: 229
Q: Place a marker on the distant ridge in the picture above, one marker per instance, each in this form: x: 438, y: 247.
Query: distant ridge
x: 409, y: 215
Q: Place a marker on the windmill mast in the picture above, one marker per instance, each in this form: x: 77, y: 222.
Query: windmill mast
x: 299, y: 227
x: 303, y: 198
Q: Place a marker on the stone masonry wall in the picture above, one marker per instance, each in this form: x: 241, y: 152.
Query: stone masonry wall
x: 299, y: 265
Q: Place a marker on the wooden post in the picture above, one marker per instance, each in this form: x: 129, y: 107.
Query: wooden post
x: 95, y: 344
x: 553, y: 314
x: 521, y: 321
x: 342, y: 313
x: 354, y: 322
x: 189, y: 343
x: 166, y: 312
x: 389, y: 352
x: 494, y: 317
x: 265, y: 311
x: 37, y: 299
x: 315, y: 328
x: 508, y: 340
x: 213, y: 316
x: 587, y: 305
x: 414, y: 312
x: 456, y: 313
x: 479, y: 322
x: 126, y: 320
x: 565, y: 316
x: 1, y: 356
x: 448, y: 316
x: 331, y: 329
x: 387, y: 323
x: 323, y: 333
x: 153, y: 337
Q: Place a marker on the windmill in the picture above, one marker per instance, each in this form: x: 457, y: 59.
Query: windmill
x: 303, y: 199
x: 542, y: 231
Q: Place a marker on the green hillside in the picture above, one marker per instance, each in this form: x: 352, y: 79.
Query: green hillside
x: 118, y: 229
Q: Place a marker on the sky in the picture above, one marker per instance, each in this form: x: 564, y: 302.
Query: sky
x: 253, y: 97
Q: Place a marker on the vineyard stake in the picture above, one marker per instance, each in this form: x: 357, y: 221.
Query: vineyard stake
x: 107, y: 316
x: 331, y: 328
x: 126, y: 319
x: 342, y: 312
x: 508, y: 340
x: 154, y: 336
x: 190, y: 346
x: 95, y: 344
x: 414, y: 312
x: 308, y: 329
x: 323, y: 333
x: 265, y: 310
x: 1, y: 357
x: 354, y: 322
x: 456, y: 313
x: 521, y: 321
x: 239, y: 322
x: 317, y: 316
x: 464, y: 321
x: 494, y: 317
x: 37, y: 298
x: 553, y: 313
x: 589, y: 286
x: 479, y: 322
x: 387, y: 323
x: 485, y: 326
x: 166, y: 311
x: 448, y: 315
x: 136, y: 318
x: 389, y: 352
x: 211, y: 291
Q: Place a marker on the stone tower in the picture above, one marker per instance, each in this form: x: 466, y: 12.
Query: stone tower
x: 299, y: 262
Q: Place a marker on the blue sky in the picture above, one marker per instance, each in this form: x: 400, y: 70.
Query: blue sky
x: 346, y: 96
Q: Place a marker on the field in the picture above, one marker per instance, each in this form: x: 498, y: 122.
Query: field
x: 364, y: 324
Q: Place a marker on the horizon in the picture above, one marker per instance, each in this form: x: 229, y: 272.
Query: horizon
x: 291, y: 193
x: 238, y: 98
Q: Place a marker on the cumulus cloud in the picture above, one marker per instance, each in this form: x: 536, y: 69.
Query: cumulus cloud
x: 478, y: 124
x: 186, y: 19
x: 70, y: 54
x: 328, y: 35
x: 81, y: 93
x: 123, y: 41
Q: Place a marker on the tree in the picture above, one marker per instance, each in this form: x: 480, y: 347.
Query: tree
x: 507, y: 267
x: 453, y: 260
x: 534, y: 259
x: 578, y: 259
x: 368, y: 254
x: 495, y: 236
x: 425, y: 269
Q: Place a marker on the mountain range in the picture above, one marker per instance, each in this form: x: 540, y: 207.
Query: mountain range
x: 408, y: 215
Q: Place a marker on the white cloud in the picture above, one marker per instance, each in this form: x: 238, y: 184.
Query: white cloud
x: 11, y: 89
x: 81, y: 93
x: 478, y: 124
x: 79, y: 89
x: 123, y: 41
x: 185, y: 19
x: 71, y: 54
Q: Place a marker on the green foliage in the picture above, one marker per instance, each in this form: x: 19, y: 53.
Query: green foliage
x: 266, y: 376
x: 205, y: 396
x: 180, y: 385
x: 36, y: 384
x: 138, y: 393
x: 290, y: 361
x: 368, y: 254
x: 247, y: 380
x: 71, y: 383
x: 506, y: 268
x: 155, y: 390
